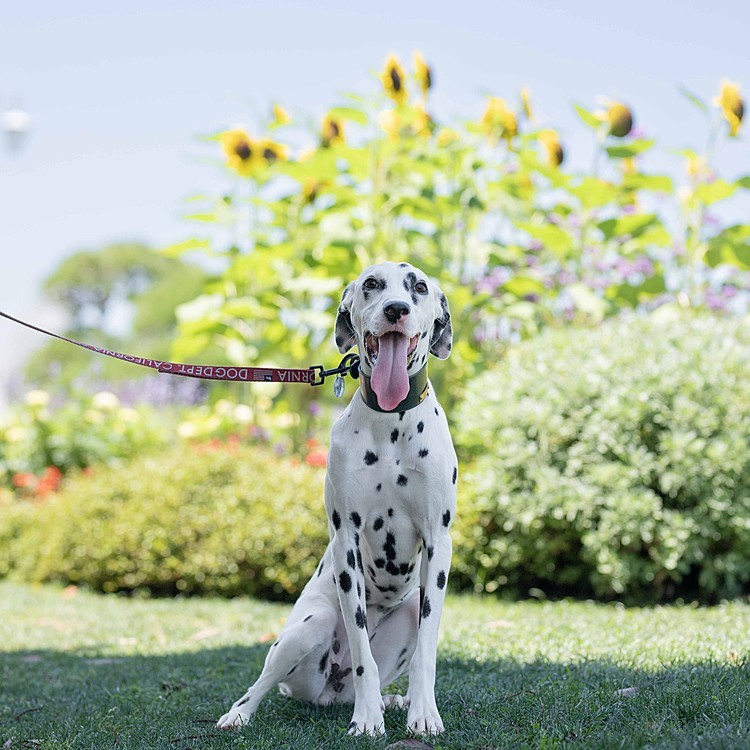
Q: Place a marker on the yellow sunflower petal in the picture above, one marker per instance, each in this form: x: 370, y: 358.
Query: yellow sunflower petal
x: 422, y: 72
x: 393, y: 80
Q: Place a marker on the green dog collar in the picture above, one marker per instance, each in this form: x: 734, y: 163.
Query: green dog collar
x: 419, y: 387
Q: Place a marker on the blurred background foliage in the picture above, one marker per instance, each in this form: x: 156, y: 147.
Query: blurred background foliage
x: 520, y: 244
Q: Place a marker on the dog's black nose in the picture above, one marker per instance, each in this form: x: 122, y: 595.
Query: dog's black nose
x: 395, y: 310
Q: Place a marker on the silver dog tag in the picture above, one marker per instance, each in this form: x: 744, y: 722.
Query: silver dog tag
x: 338, y: 386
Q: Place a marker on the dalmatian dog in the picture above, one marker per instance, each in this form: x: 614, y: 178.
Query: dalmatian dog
x: 370, y: 613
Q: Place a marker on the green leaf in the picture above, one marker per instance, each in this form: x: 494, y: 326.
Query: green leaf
x: 731, y: 246
x: 593, y: 192
x: 588, y: 117
x: 713, y: 192
x: 554, y: 238
x: 658, y: 182
x: 349, y: 113
x: 632, y: 225
x: 180, y: 248
x: 743, y: 182
x: 627, y: 150
x: 522, y: 286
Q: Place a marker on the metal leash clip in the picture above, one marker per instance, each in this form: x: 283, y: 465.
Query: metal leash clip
x: 349, y: 364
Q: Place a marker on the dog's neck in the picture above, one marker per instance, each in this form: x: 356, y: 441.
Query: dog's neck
x: 419, y: 387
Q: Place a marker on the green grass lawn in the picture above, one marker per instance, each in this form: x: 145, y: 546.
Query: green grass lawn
x: 84, y: 671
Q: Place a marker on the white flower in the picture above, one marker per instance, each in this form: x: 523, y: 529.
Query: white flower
x: 37, y: 398
x: 105, y: 401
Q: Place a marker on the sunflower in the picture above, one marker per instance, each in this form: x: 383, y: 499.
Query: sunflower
x: 551, y: 142
x: 498, y: 121
x: 272, y: 151
x: 732, y: 106
x: 243, y: 154
x: 620, y: 119
x: 393, y: 80
x: 331, y: 132
x: 422, y: 73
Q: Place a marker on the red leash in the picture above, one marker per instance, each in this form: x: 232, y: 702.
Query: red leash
x: 313, y: 375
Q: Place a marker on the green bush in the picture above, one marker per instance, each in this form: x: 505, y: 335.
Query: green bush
x: 192, y: 520
x: 611, y: 462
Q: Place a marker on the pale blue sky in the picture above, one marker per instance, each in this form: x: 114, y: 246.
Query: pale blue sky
x: 118, y: 92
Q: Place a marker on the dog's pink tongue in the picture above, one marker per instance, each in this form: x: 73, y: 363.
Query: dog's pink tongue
x: 390, y: 380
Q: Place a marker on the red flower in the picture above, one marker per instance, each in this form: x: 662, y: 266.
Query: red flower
x: 317, y: 457
x: 22, y: 480
x: 49, y: 481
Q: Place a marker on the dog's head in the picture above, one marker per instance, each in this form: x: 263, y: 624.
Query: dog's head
x: 396, y: 315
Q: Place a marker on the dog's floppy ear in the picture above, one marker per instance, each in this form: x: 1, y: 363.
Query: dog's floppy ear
x: 346, y: 338
x: 441, y: 339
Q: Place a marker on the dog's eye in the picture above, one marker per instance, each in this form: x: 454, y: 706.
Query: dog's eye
x: 421, y: 287
x: 370, y: 283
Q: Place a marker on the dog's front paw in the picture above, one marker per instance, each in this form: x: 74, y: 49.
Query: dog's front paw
x: 367, y: 722
x: 234, y: 719
x: 425, y: 722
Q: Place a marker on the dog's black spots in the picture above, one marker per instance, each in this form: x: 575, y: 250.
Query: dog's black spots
x: 390, y: 539
x: 446, y: 518
x: 423, y: 452
x: 336, y: 518
x: 411, y: 568
x: 401, y: 664
x: 380, y: 562
x: 309, y: 617
x: 420, y: 427
x: 455, y: 474
x: 359, y: 591
x: 352, y: 725
x: 436, y: 412
x: 360, y: 619
x: 367, y: 594
x: 430, y: 552
x: 401, y: 415
x: 350, y: 558
x: 390, y: 512
x: 274, y: 644
x: 403, y: 568
x: 426, y: 608
x: 403, y: 265
x: 320, y: 568
x: 356, y: 432
x: 401, y: 481
x: 391, y: 568
x: 370, y: 458
x: 398, y: 462
x: 323, y: 662
x: 356, y: 520
x: 336, y: 647
x: 390, y: 552
x: 345, y: 581
x: 241, y: 703
x: 379, y: 487
x: 410, y: 438
x: 394, y: 435
x: 441, y: 579
x: 378, y: 523
x: 359, y: 560
x: 371, y: 571
x: 381, y: 589
x: 360, y: 671
x: 292, y: 670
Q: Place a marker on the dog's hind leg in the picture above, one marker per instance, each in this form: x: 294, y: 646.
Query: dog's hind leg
x: 393, y: 642
x: 295, y: 660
